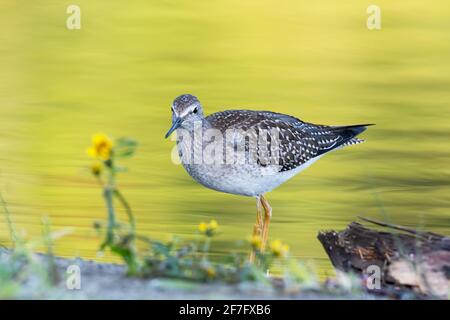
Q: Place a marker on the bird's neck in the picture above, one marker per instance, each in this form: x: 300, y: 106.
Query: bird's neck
x: 190, y: 140
x: 197, y: 123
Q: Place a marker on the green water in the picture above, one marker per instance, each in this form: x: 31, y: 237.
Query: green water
x: 317, y: 61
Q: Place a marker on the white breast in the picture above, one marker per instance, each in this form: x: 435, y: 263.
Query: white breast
x: 249, y: 179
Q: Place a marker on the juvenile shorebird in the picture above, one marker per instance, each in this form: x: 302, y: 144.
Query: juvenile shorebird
x: 250, y: 153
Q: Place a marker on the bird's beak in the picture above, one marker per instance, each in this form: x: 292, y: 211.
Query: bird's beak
x: 175, y: 124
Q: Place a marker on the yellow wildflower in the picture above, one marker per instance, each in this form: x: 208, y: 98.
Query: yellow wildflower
x: 211, y: 272
x: 256, y: 242
x: 208, y: 228
x: 278, y: 248
x: 202, y: 227
x: 96, y: 168
x: 213, y: 225
x: 101, y: 147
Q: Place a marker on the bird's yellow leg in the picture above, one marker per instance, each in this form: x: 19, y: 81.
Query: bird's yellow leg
x: 257, y: 228
x: 268, y: 215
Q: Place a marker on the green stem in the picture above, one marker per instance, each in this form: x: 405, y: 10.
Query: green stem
x: 206, y: 245
x: 12, y: 231
x: 48, y: 241
x: 107, y: 193
x: 128, y: 210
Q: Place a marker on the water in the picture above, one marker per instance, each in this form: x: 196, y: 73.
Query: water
x: 319, y: 62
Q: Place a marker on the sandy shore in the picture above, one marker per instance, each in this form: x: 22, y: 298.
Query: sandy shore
x: 109, y: 281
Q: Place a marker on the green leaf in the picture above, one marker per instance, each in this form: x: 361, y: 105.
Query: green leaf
x: 125, y: 147
x: 126, y: 142
x: 161, y: 248
x: 126, y: 153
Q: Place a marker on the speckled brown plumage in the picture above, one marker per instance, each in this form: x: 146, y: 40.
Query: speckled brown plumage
x: 298, y: 141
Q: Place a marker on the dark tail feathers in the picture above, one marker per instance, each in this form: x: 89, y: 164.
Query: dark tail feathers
x: 348, y: 132
x: 346, y: 136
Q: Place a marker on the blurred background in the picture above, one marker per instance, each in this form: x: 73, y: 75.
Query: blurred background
x: 317, y: 61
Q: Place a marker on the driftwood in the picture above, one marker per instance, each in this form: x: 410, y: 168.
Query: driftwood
x: 407, y: 259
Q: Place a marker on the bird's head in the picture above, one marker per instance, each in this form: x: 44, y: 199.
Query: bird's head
x: 186, y: 109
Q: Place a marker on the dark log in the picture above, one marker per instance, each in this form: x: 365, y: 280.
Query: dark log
x: 407, y: 258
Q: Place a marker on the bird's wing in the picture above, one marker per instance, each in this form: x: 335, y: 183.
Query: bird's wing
x: 296, y: 141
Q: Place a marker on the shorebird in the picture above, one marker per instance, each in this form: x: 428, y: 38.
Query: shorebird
x: 294, y: 145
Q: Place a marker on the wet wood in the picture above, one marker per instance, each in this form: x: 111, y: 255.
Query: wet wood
x: 407, y: 258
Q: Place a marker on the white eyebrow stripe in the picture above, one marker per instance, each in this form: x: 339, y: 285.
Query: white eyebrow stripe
x: 185, y: 112
x: 188, y: 110
x: 173, y: 110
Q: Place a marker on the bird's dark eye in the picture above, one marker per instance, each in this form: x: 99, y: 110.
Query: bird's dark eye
x: 195, y: 110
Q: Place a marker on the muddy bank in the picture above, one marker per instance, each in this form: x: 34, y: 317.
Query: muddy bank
x: 109, y: 281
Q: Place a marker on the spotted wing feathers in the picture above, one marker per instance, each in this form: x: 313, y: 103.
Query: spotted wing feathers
x: 298, y: 141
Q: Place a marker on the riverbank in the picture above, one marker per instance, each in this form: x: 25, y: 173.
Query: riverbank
x: 109, y: 281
